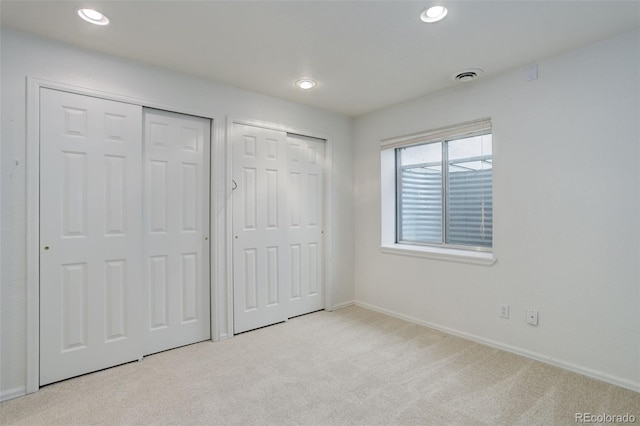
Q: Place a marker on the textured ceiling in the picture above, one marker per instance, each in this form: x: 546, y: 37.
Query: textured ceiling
x: 365, y: 55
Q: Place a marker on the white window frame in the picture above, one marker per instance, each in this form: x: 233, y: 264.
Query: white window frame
x: 388, y: 187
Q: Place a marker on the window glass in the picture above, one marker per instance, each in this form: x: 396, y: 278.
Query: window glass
x: 420, y: 193
x: 469, y: 195
x: 444, y: 193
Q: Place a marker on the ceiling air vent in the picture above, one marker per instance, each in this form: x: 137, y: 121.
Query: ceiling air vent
x: 467, y: 75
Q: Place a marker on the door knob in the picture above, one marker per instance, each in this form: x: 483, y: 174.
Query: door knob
x: 47, y: 247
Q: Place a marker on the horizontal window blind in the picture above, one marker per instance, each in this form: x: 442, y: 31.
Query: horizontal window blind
x: 457, y: 131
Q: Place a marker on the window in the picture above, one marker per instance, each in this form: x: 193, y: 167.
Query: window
x: 444, y: 192
x: 439, y: 184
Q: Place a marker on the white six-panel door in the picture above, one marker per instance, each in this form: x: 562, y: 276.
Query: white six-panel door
x: 277, y: 226
x: 124, y: 233
x: 306, y: 203
x: 260, y: 270
x: 90, y: 257
x: 176, y: 229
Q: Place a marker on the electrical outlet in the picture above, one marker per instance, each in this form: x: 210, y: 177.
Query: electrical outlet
x: 532, y: 317
x: 503, y: 311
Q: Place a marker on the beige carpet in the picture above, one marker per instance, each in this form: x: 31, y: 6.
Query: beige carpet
x: 352, y: 366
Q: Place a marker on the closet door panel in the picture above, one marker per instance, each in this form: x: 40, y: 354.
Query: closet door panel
x: 176, y: 229
x: 260, y: 260
x: 306, y: 169
x: 90, y: 219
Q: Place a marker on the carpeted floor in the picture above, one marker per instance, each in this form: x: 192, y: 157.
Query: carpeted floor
x: 352, y: 366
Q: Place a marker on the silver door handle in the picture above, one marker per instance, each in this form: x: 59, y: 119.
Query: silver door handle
x: 235, y: 185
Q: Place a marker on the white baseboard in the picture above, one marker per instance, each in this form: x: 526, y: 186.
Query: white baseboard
x: 12, y: 393
x: 618, y: 381
x: 341, y: 305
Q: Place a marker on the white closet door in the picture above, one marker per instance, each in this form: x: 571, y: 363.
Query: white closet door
x: 260, y: 263
x: 277, y: 226
x: 176, y: 229
x: 90, y: 274
x: 305, y: 196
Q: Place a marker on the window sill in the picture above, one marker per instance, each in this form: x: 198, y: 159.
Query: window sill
x: 439, y: 253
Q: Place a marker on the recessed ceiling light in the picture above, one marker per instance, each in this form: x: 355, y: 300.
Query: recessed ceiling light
x: 93, y: 16
x: 306, y: 83
x: 467, y: 75
x: 434, y: 14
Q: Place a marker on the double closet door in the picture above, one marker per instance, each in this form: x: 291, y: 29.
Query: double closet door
x: 278, y: 205
x: 124, y: 233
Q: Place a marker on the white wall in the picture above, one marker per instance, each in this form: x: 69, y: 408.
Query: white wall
x: 24, y: 55
x: 566, y: 214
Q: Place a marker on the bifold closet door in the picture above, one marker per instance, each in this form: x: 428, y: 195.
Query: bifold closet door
x: 277, y: 226
x: 176, y: 229
x: 90, y: 240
